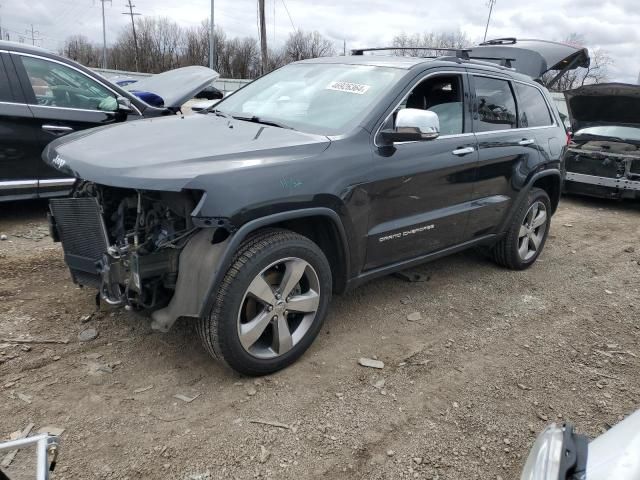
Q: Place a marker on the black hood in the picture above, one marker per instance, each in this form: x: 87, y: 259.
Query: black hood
x: 604, y: 104
x: 170, y: 153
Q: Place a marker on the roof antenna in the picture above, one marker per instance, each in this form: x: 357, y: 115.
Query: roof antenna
x: 490, y: 4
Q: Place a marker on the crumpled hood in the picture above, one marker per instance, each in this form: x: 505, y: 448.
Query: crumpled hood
x: 176, y: 86
x: 169, y: 153
x: 604, y: 104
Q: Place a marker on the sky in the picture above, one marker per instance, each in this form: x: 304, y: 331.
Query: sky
x: 612, y: 26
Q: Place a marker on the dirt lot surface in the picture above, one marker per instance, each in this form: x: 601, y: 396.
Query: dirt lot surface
x: 495, y: 357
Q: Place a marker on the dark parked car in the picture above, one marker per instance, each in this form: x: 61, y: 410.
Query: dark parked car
x: 309, y: 181
x: 603, y: 158
x: 44, y: 96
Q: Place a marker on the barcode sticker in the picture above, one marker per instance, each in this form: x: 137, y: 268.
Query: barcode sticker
x: 349, y: 87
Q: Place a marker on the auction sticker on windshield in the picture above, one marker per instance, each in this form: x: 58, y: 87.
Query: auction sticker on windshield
x: 349, y: 87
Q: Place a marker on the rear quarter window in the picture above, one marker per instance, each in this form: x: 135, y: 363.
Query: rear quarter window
x: 534, y: 111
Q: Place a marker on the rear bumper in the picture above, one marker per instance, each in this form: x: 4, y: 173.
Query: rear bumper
x: 606, y: 187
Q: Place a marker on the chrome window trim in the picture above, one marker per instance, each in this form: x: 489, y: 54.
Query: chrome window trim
x: 40, y: 57
x: 57, y: 182
x: 14, y: 103
x: 15, y: 184
x: 423, y: 78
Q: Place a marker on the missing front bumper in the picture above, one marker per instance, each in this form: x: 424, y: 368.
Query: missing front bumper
x: 620, y: 183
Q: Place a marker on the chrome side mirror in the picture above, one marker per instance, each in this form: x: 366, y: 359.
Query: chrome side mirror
x: 413, y: 124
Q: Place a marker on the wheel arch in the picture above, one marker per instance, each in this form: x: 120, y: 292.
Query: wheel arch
x: 551, y: 182
x: 320, y: 224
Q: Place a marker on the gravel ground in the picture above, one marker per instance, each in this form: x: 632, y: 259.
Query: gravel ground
x: 495, y: 356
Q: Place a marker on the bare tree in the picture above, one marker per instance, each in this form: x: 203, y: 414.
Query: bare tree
x: 596, y: 72
x: 164, y: 45
x: 81, y: 50
x: 302, y: 45
x: 417, y: 41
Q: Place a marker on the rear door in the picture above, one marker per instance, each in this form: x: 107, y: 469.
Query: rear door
x: 18, y: 159
x: 506, y: 152
x: 62, y: 99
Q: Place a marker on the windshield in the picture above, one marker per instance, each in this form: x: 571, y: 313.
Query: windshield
x: 319, y: 98
x: 624, y: 133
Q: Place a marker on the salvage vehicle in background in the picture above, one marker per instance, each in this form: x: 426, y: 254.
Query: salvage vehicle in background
x: 561, y: 454
x: 311, y: 180
x: 44, y: 96
x: 603, y: 158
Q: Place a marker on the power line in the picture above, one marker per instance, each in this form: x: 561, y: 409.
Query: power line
x: 289, y: 15
x: 131, y: 13
x: 32, y: 33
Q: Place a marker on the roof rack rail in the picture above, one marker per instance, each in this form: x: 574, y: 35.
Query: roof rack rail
x: 501, y: 41
x: 462, y: 53
x: 504, y: 62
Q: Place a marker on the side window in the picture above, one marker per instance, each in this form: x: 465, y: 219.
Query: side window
x: 442, y: 95
x: 57, y: 85
x: 5, y: 89
x: 495, y: 103
x: 533, y: 107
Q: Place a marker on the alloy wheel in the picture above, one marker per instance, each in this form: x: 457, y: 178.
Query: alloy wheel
x: 532, y: 231
x: 278, y: 308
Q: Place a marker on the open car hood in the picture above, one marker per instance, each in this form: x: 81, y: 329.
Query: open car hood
x: 532, y: 57
x: 604, y: 104
x: 177, y: 86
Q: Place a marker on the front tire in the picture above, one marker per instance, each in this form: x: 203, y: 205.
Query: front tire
x: 271, y: 303
x: 525, y: 239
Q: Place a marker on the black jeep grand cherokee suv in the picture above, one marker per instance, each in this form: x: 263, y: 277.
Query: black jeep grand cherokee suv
x: 307, y: 182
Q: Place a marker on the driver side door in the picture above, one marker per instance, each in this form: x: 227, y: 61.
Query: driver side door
x: 420, y: 203
x: 62, y: 100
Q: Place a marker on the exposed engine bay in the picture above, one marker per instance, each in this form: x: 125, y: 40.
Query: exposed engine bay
x: 135, y: 238
x: 612, y: 168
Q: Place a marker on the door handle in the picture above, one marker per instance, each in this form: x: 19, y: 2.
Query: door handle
x: 57, y: 129
x: 463, y: 151
x: 526, y: 141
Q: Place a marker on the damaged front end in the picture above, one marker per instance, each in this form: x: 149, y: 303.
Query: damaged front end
x: 609, y: 169
x: 126, y: 243
x: 603, y: 158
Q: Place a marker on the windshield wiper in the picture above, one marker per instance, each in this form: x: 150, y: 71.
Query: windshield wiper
x: 264, y: 121
x: 220, y: 113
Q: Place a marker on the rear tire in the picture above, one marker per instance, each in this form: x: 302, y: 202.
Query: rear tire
x: 525, y: 239
x: 271, y: 303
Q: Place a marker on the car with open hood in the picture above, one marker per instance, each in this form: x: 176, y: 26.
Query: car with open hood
x: 603, y: 158
x: 309, y: 181
x: 44, y: 96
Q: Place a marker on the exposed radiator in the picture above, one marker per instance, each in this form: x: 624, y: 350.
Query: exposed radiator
x: 83, y: 235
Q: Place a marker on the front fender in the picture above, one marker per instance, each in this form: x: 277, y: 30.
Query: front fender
x: 203, y: 265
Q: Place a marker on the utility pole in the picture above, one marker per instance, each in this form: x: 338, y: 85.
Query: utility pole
x: 104, y: 35
x: 32, y: 33
x: 131, y: 13
x: 212, y: 41
x: 263, y: 37
x: 491, y: 4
